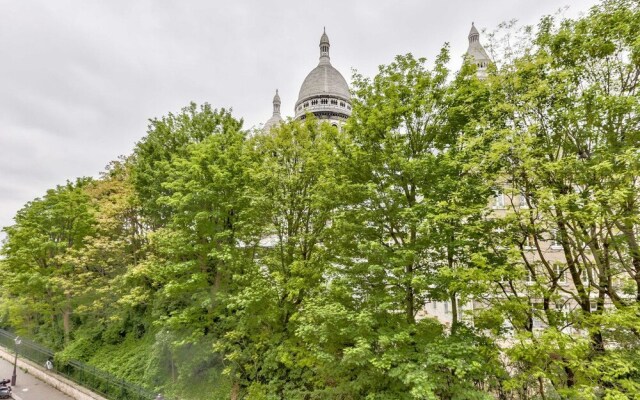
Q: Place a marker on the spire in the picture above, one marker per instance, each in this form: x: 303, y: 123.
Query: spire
x: 324, y: 47
x: 474, y: 35
x: 477, y: 53
x: 276, y: 104
x: 275, y: 119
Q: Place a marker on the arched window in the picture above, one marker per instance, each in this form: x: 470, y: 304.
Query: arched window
x: 306, y: 104
x: 314, y: 102
x: 324, y: 101
x: 334, y: 102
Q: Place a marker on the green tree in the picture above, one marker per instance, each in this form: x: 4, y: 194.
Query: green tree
x: 409, y: 213
x: 40, y: 285
x: 566, y: 124
x: 198, y: 202
x: 169, y: 138
x: 291, y: 195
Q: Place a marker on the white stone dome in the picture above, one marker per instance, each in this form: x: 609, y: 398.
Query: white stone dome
x: 324, y: 80
x: 324, y: 92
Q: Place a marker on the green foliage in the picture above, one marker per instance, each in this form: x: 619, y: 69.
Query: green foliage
x: 296, y: 263
x: 36, y: 266
x: 169, y: 138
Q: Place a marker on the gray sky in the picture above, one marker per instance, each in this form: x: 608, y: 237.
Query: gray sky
x: 80, y: 79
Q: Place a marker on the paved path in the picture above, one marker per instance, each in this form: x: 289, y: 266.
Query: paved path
x: 29, y: 388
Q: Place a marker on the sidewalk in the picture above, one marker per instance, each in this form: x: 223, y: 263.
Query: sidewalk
x: 28, y: 387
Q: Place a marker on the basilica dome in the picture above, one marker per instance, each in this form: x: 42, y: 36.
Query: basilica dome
x: 324, y: 92
x: 324, y: 79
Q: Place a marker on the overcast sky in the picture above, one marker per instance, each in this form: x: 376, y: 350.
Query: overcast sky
x: 80, y: 79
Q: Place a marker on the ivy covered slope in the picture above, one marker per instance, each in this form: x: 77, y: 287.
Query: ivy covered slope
x: 218, y: 263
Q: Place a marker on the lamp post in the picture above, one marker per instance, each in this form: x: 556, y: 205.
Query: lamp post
x: 17, y: 342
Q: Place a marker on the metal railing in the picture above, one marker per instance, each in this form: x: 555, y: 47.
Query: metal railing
x: 85, y: 375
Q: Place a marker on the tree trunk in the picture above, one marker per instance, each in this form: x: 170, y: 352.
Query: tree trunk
x: 235, y: 391
x: 597, y: 341
x: 66, y: 323
x: 173, y: 368
x: 541, y: 388
x: 66, y: 320
x: 409, y: 296
x: 454, y: 313
x: 454, y: 303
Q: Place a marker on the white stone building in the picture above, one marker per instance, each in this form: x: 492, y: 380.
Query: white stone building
x: 324, y: 93
x: 477, y: 53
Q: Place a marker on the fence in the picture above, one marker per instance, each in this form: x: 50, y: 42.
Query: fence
x: 83, y: 374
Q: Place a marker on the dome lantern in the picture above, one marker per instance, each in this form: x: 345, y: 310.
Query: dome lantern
x: 276, y: 103
x: 474, y: 35
x: 324, y: 47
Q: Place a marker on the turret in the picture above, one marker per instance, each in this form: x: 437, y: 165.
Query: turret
x: 276, y: 103
x: 275, y: 119
x: 477, y: 53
